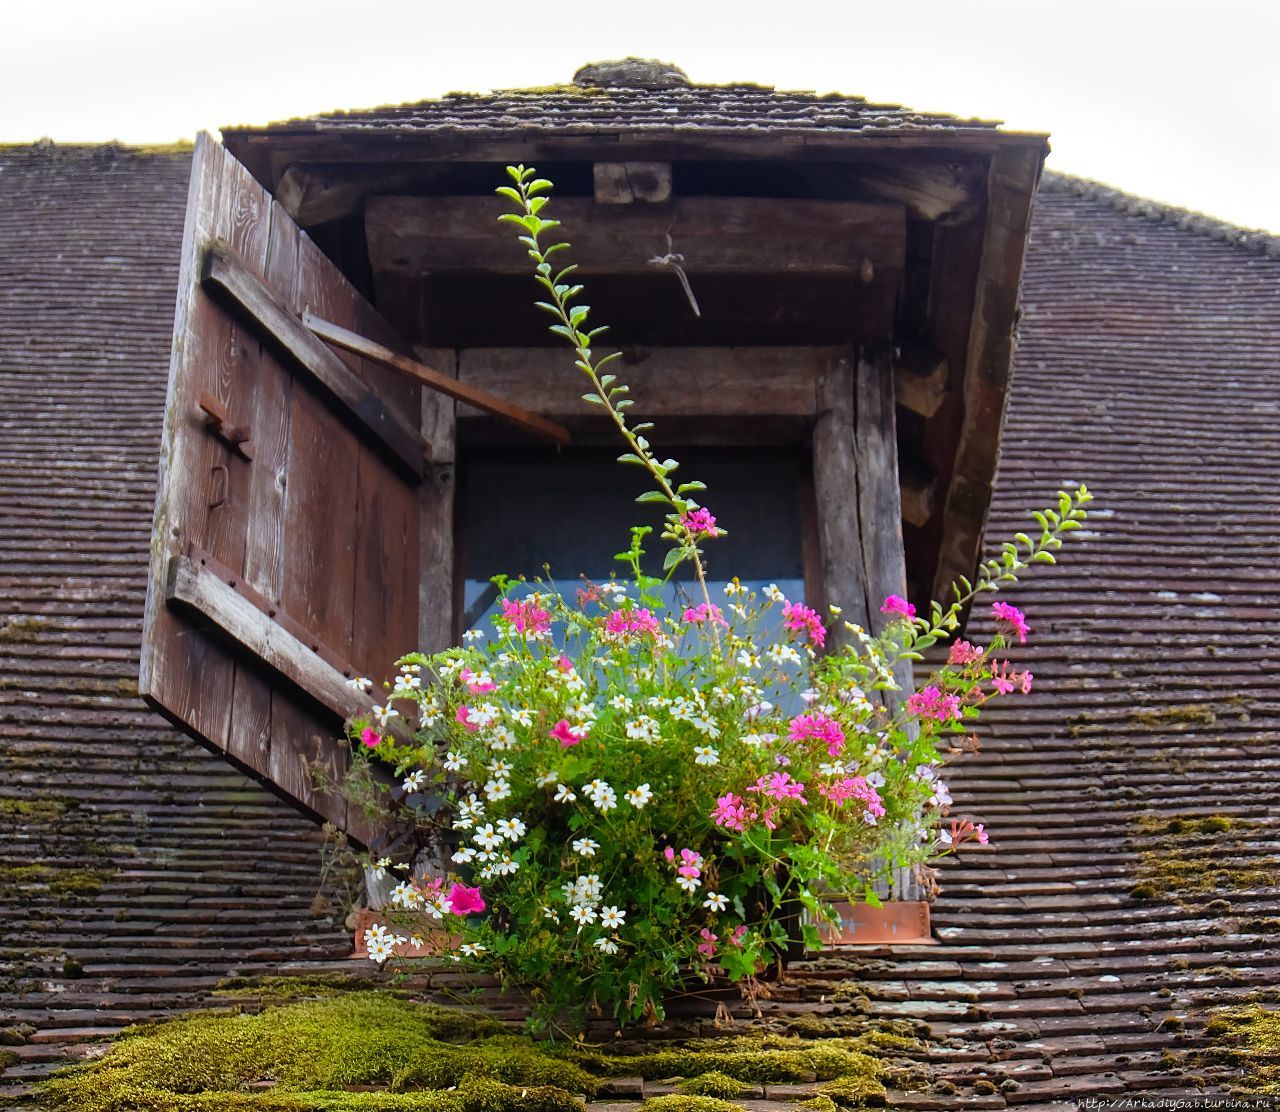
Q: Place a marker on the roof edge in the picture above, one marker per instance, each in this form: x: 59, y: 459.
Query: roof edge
x: 1158, y: 212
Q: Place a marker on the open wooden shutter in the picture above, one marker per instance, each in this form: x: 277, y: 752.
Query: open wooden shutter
x: 285, y: 556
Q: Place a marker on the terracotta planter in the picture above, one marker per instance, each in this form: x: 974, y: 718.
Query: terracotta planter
x: 894, y: 923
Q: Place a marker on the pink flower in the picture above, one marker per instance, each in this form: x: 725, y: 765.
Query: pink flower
x: 476, y: 687
x: 779, y: 786
x: 841, y: 791
x: 702, y: 613
x: 800, y: 618
x: 731, y: 813
x: 370, y: 736
x: 567, y: 735
x: 526, y: 617
x: 819, y: 727
x: 669, y: 854
x: 627, y: 623
x: 1027, y: 677
x: 465, y: 901
x: 707, y: 947
x: 962, y: 652
x: 464, y: 716
x: 735, y: 939
x: 932, y: 703
x: 898, y: 606
x: 981, y: 834
x: 1011, y: 615
x: 700, y: 522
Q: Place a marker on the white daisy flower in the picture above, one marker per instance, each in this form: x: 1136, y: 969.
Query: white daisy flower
x: 523, y: 716
x: 548, y: 778
x: 500, y: 769
x: 612, y: 917
x: 385, y: 714
x: 512, y: 829
x: 772, y: 593
x: 429, y: 712
x: 495, y: 790
x: 361, y: 683
x: 551, y: 914
x: 582, y: 914
x: 448, y: 668
x: 473, y: 635
x: 380, y: 949
x: 564, y: 794
x: 414, y: 781
x: 463, y: 855
x: 487, y: 838
x: 748, y: 659
x: 606, y: 945
x: 379, y: 868
x: 831, y: 768
x: 620, y: 702
x: 405, y: 895
x: 639, y: 796
x: 642, y: 728
x: 782, y: 654
x: 500, y: 738
x: 406, y: 686
x: 733, y: 587
x: 454, y: 762
x: 689, y: 883
x: 715, y: 901
x: 471, y: 949
x: 585, y: 847
x: 605, y: 798
x: 705, y: 755
x: 506, y: 865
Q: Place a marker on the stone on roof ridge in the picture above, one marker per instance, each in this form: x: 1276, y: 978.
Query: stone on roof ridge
x: 1253, y: 239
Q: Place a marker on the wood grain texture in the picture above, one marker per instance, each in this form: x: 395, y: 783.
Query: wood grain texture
x: 225, y: 272
x: 716, y: 235
x: 321, y: 529
x: 665, y: 382
x: 437, y: 621
x: 483, y: 400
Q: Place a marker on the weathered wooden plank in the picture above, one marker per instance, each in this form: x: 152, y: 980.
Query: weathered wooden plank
x: 437, y: 623
x: 921, y: 376
x: 665, y: 382
x: 1012, y: 181
x: 225, y: 272
x: 197, y: 587
x: 715, y: 235
x: 623, y: 183
x: 879, y: 499
x: 836, y: 491
x: 184, y: 676
x: 484, y: 400
x: 919, y: 488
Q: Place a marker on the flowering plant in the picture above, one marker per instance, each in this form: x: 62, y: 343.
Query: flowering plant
x: 622, y: 794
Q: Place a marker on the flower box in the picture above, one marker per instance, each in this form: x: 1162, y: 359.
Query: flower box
x: 894, y: 923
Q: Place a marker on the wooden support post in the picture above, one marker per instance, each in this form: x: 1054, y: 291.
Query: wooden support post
x: 436, y: 619
x: 921, y: 377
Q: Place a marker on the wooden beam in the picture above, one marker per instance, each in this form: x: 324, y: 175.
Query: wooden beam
x: 222, y: 271
x: 436, y: 619
x: 921, y: 377
x: 481, y: 399
x: 622, y: 183
x: 715, y: 235
x: 919, y: 488
x: 665, y: 382
x: 835, y: 489
x: 197, y: 587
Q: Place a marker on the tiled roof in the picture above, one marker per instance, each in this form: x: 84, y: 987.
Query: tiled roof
x: 569, y: 109
x: 1148, y: 368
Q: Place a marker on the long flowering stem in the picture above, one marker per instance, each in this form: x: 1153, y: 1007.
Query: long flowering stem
x: 606, y: 391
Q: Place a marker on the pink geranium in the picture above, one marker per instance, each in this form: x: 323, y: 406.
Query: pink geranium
x: 932, y: 703
x: 1012, y: 616
x: 779, y: 786
x: 370, y: 736
x: 845, y: 788
x: 898, y: 607
x: 629, y: 623
x: 567, y: 735
x: 732, y: 813
x: 799, y: 618
x: 704, y: 613
x: 464, y: 716
x: 465, y: 901
x: 526, y: 617
x: 707, y: 947
x: 818, y: 727
x: 700, y: 522
x: 962, y: 653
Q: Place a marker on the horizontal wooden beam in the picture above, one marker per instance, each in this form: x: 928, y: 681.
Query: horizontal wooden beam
x: 481, y: 399
x: 282, y: 327
x: 198, y: 587
x: 622, y: 183
x: 714, y: 235
x: 765, y: 382
x: 921, y: 378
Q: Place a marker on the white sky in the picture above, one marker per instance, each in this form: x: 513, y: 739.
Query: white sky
x: 1169, y: 99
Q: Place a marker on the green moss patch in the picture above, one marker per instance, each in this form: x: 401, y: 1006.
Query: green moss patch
x: 359, y: 1050
x: 1246, y: 1041
x: 49, y: 883
x: 280, y: 989
x: 1192, y: 855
